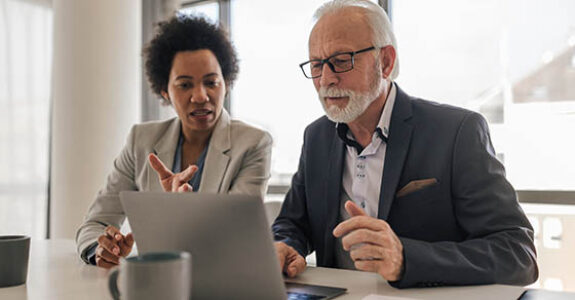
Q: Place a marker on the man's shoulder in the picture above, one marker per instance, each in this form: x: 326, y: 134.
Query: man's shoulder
x: 427, y: 111
x: 322, y: 125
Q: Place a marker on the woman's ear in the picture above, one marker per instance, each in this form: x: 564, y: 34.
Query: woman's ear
x: 166, y: 96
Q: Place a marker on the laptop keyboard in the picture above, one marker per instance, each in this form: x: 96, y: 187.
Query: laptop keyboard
x: 303, y: 296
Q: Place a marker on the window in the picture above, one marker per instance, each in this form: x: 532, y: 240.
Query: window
x: 511, y: 60
x: 25, y: 60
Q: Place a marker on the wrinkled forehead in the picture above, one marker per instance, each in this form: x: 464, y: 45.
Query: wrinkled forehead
x: 342, y: 30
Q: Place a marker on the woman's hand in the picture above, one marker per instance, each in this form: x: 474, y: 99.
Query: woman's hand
x: 111, y: 246
x: 172, y: 182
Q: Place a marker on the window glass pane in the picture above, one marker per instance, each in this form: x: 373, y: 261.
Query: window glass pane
x: 511, y: 60
x: 25, y: 60
x: 271, y: 38
x: 208, y: 9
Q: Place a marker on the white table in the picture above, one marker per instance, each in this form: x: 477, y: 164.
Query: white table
x: 56, y: 272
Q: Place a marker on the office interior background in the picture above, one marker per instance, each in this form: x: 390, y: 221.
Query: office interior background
x: 71, y: 85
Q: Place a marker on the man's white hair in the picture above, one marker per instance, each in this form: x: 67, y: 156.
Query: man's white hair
x: 377, y: 21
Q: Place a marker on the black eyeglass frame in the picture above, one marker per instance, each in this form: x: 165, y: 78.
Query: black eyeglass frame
x: 330, y: 65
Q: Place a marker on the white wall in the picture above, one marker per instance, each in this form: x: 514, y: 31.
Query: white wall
x: 96, y: 98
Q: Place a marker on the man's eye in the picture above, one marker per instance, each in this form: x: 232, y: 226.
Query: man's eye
x: 316, y: 65
x: 340, y: 61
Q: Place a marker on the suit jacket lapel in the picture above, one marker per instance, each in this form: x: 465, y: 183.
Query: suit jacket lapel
x: 333, y: 193
x: 217, y: 158
x: 400, y: 130
x: 165, y: 149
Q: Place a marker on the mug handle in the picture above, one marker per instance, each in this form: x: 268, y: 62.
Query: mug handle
x: 113, y: 284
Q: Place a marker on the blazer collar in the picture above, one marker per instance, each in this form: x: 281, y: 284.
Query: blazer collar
x: 217, y: 158
x: 166, y: 145
x: 400, y: 130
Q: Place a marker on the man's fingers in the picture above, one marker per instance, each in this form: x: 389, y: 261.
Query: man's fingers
x: 296, y: 266
x: 362, y: 236
x: 107, y: 243
x: 358, y: 222
x: 354, y: 210
x: 159, y: 167
x: 368, y: 265
x: 367, y: 252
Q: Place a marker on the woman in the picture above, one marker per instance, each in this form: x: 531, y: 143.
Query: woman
x: 191, y: 64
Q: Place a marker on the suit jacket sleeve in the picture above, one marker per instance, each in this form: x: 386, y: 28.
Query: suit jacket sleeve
x: 254, y: 173
x: 498, y: 247
x: 107, y: 208
x: 292, y: 224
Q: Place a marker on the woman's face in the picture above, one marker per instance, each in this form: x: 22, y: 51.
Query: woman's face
x: 196, y: 89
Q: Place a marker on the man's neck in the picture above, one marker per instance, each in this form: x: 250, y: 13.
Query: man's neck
x: 364, y: 126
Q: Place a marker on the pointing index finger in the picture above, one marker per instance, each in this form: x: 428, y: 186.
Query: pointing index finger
x: 159, y: 166
x: 358, y: 222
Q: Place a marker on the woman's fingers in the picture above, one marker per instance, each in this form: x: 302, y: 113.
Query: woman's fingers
x: 163, y: 172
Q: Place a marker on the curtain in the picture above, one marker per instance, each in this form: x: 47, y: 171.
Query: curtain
x: 25, y: 78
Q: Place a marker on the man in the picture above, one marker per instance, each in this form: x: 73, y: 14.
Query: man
x: 392, y: 184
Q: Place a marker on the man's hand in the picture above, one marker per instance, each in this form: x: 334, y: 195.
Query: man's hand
x: 291, y: 262
x: 372, y: 244
x: 172, y: 182
x: 111, y: 246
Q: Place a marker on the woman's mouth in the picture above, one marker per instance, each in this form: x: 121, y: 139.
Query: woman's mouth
x: 201, y: 112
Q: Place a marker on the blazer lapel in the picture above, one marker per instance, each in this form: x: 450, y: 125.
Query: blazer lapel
x: 400, y: 130
x: 165, y: 149
x: 217, y: 158
x: 333, y: 194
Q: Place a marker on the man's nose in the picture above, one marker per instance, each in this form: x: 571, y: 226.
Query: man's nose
x: 328, y: 77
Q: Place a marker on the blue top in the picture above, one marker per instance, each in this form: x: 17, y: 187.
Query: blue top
x: 177, y: 167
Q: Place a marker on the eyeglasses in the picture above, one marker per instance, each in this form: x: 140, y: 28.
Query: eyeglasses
x: 338, y: 63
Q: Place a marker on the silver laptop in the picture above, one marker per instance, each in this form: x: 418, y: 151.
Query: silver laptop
x: 233, y: 256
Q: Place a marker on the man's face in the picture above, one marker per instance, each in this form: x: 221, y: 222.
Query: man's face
x: 345, y: 96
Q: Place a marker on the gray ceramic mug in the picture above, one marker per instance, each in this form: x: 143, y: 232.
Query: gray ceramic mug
x: 154, y: 275
x: 14, y: 254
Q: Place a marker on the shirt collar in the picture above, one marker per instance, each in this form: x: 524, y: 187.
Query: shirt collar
x: 382, y: 129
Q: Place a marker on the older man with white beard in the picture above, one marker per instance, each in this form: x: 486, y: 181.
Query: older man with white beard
x: 393, y: 184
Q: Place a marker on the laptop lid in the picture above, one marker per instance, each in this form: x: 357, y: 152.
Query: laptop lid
x: 233, y: 256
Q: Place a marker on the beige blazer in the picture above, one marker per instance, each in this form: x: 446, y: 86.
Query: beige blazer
x: 237, y: 162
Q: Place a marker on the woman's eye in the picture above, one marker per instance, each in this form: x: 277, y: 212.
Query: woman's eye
x: 212, y: 83
x: 184, y: 85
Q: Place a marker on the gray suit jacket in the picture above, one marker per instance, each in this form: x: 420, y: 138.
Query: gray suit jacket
x: 459, y: 223
x: 237, y: 162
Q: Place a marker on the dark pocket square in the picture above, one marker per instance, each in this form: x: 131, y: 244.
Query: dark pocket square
x: 415, y: 185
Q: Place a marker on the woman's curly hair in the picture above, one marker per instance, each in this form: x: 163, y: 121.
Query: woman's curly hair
x: 187, y: 33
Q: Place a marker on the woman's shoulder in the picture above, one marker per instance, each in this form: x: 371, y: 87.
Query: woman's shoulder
x: 154, y: 130
x: 241, y: 130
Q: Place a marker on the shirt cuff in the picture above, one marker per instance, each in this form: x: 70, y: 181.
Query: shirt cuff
x: 90, y: 254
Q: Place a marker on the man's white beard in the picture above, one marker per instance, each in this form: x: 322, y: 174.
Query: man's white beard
x: 357, y: 103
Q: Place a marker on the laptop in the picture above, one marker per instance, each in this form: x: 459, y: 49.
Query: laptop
x: 233, y: 256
